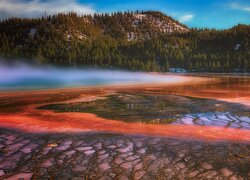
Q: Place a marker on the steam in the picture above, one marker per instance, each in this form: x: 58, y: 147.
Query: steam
x: 21, y: 77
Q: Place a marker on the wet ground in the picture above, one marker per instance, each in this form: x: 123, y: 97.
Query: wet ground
x: 194, y: 131
x: 224, y: 119
x: 110, y: 156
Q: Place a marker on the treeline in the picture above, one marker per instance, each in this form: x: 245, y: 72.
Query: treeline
x: 104, y: 40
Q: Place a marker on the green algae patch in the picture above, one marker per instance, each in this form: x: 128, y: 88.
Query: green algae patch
x: 144, y: 107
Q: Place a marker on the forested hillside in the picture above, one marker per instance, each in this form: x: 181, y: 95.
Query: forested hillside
x: 148, y: 41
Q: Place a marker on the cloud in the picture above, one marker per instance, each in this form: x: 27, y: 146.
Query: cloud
x: 240, y: 7
x: 36, y: 8
x: 185, y: 18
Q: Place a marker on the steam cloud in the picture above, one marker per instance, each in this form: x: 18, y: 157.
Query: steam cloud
x: 23, y: 76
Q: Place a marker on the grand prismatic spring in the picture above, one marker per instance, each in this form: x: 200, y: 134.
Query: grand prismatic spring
x: 167, y: 127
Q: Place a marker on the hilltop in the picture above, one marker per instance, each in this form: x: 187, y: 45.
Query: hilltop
x: 131, y: 26
x: 141, y: 40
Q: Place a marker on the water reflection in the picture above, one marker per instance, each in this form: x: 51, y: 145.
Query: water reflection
x: 223, y: 119
x: 228, y: 88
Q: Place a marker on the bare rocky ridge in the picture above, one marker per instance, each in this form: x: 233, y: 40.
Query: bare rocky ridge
x: 132, y: 26
x: 138, y: 25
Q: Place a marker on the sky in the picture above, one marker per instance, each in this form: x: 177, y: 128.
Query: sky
x: 219, y: 14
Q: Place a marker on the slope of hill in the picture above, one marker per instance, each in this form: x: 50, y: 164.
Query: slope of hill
x: 149, y: 41
x: 138, y: 25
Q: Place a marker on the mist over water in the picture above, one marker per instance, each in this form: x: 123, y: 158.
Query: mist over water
x: 23, y: 76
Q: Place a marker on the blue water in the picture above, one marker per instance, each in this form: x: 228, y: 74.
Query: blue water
x: 23, y: 77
